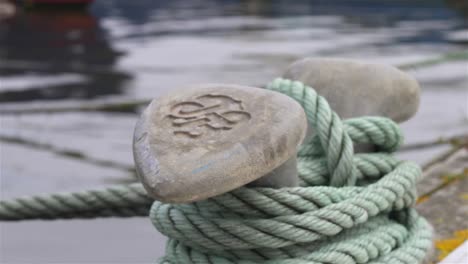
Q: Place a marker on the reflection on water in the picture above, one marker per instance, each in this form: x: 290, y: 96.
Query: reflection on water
x: 58, y: 42
x: 52, y: 54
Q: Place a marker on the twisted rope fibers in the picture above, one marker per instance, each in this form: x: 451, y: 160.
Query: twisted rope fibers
x: 349, y: 208
x: 122, y: 201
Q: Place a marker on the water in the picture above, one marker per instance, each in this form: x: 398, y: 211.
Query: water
x: 132, y: 50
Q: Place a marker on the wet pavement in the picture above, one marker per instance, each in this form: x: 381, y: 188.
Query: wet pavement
x: 137, y: 50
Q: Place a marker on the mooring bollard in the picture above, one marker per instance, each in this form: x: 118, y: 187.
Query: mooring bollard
x: 354, y: 89
x: 208, y: 140
x: 195, y: 149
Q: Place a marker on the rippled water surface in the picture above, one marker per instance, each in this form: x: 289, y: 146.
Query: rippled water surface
x: 137, y: 50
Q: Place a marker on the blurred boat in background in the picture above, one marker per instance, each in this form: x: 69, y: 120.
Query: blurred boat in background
x: 7, y: 9
x: 55, y: 3
x: 59, y: 2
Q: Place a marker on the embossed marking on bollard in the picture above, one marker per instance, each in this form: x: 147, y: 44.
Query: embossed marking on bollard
x: 207, y: 113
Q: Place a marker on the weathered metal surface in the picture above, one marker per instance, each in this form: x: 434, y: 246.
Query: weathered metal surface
x: 355, y: 88
x: 208, y: 140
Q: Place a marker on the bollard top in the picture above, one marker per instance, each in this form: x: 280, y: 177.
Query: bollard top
x: 354, y: 88
x: 209, y: 139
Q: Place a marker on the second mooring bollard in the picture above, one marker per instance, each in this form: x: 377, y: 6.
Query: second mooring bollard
x: 354, y: 89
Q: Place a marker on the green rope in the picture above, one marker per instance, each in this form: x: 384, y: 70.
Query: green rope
x: 123, y: 201
x: 349, y: 208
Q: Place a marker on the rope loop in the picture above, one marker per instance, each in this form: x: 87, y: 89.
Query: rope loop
x: 350, y: 208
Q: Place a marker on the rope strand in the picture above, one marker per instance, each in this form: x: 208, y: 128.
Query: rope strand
x: 123, y: 201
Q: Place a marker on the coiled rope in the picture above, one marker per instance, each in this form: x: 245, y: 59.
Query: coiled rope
x: 349, y: 208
